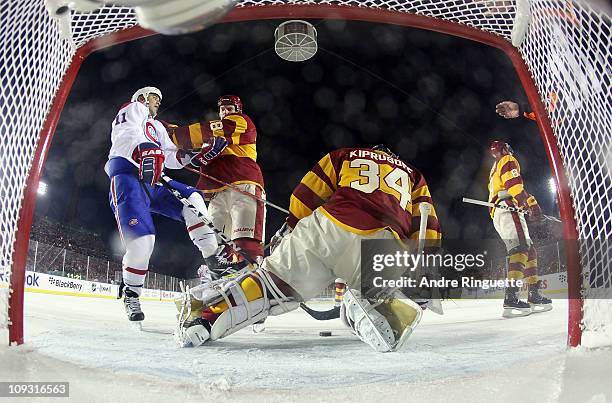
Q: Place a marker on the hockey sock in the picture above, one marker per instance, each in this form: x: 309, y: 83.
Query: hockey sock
x: 251, y: 246
x: 200, y: 233
x: 516, y: 265
x: 531, y: 267
x: 136, y: 261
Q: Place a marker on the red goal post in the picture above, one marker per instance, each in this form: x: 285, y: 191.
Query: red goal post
x: 38, y: 69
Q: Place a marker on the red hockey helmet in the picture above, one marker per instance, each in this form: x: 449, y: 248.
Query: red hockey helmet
x: 500, y: 148
x: 231, y: 100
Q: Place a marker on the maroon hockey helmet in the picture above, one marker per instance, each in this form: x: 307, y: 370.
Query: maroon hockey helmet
x: 499, y: 149
x: 231, y: 100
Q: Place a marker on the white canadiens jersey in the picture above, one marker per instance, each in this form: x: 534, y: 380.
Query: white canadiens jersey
x: 133, y: 126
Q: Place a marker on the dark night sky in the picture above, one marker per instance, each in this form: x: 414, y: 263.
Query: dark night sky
x: 428, y: 96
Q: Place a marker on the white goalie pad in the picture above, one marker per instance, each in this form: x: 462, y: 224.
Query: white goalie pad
x: 386, y: 325
x: 238, y: 317
x: 242, y: 312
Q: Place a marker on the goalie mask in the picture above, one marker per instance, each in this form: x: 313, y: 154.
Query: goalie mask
x: 229, y: 100
x: 499, y: 149
x: 145, y: 92
x: 385, y: 149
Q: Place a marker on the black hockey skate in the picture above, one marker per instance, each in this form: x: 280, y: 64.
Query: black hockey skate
x: 132, y: 306
x: 537, y: 301
x: 224, y: 263
x: 513, y: 306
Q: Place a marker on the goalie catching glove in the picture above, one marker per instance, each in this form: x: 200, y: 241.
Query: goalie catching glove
x: 209, y: 153
x: 151, y: 162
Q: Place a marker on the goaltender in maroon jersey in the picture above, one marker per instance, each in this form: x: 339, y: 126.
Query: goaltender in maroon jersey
x: 365, y: 191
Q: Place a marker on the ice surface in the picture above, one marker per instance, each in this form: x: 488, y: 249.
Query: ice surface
x: 469, y: 354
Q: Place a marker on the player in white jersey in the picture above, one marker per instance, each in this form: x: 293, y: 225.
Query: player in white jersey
x: 140, y: 151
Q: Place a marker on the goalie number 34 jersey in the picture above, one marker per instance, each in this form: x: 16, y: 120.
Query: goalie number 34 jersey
x: 365, y: 191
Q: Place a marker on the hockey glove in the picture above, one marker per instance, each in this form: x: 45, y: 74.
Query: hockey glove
x: 531, y: 206
x: 535, y: 213
x: 209, y: 153
x: 278, y: 237
x: 151, y: 159
x: 507, y: 109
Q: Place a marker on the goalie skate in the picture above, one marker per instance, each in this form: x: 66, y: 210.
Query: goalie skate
x: 259, y: 327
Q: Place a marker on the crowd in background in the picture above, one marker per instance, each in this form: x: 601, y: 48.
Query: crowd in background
x: 63, y: 250
x: 73, y: 238
x: 59, y: 249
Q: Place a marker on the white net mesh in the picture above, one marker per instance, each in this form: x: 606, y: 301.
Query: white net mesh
x: 33, y: 61
x: 567, y: 50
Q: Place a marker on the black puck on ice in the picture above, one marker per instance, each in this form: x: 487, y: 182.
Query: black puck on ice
x: 325, y: 334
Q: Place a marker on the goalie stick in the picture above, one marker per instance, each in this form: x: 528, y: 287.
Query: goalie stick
x: 433, y: 303
x: 224, y: 239
x: 333, y: 313
x: 425, y: 210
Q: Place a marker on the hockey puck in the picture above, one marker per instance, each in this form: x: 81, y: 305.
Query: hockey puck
x: 325, y: 334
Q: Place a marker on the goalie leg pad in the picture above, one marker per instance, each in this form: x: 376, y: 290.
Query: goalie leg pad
x: 242, y: 300
x: 194, y: 311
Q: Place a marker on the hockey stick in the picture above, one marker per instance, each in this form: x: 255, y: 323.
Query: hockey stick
x: 434, y: 303
x: 425, y: 210
x: 509, y: 208
x: 237, y: 189
x: 333, y: 313
x: 224, y: 239
x: 500, y: 206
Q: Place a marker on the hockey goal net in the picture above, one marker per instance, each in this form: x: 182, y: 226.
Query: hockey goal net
x: 565, y: 54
